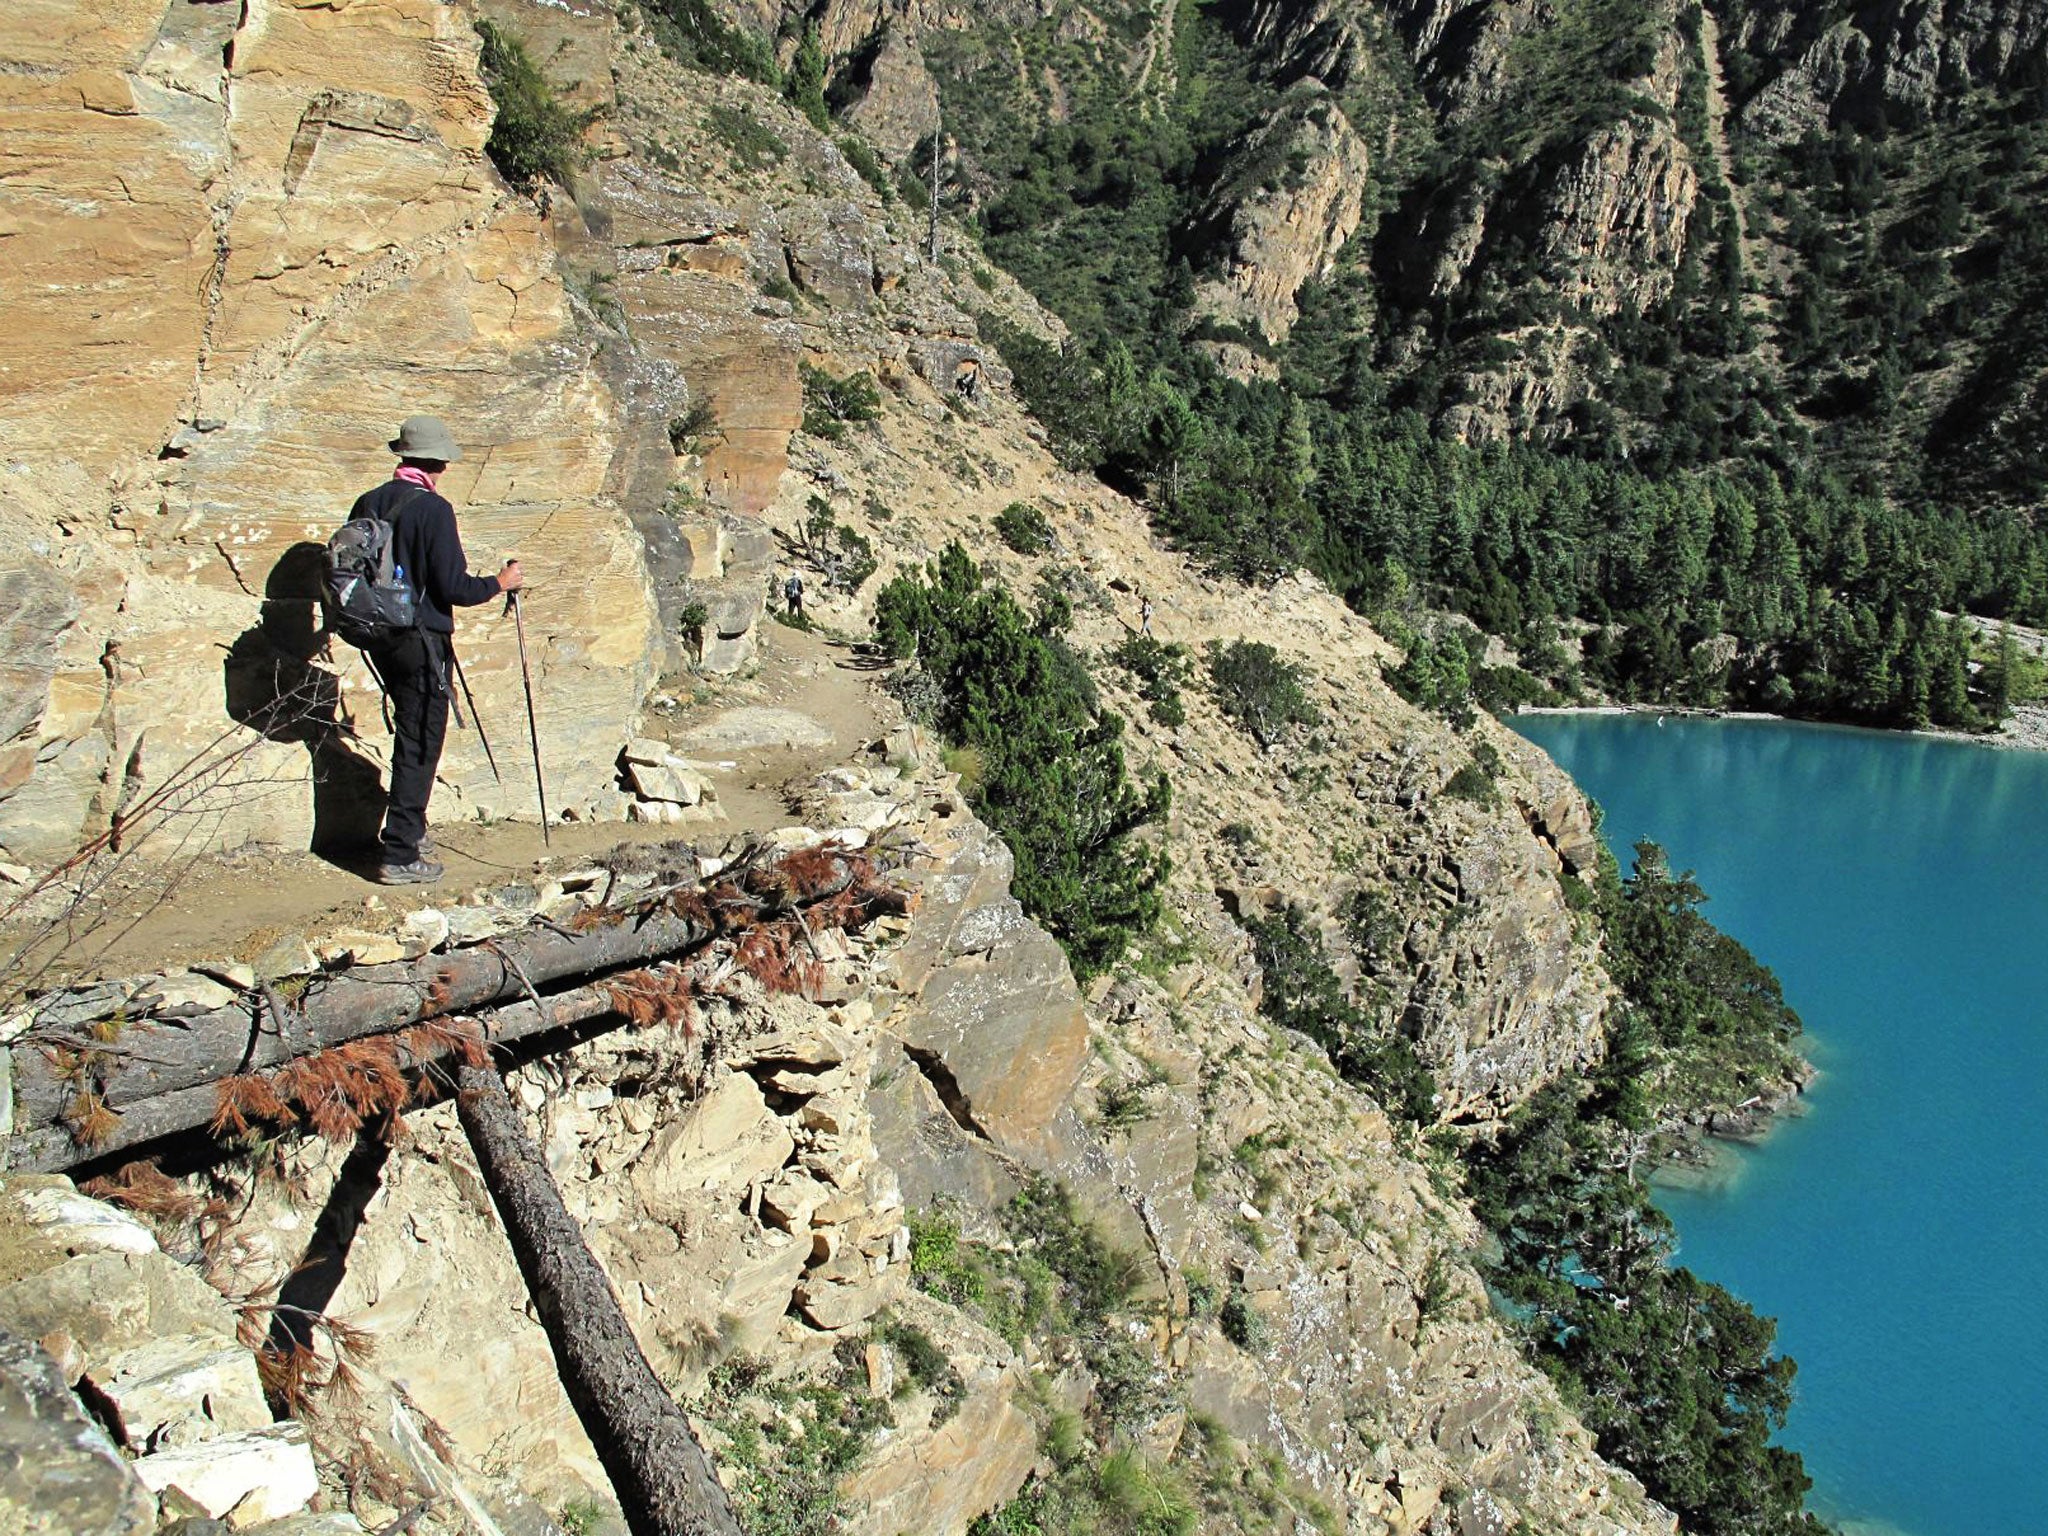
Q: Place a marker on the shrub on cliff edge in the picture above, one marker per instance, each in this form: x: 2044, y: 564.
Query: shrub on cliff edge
x: 1053, y: 779
x: 534, y: 138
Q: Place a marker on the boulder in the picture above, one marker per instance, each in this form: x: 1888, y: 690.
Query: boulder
x: 934, y: 1480
x: 59, y: 1473
x: 108, y: 1300
x: 826, y: 242
x: 727, y: 1140
x: 670, y: 781
x: 823, y: 1045
x: 289, y: 956
x: 193, y: 1387
x: 182, y: 994
x: 991, y: 1006
x: 79, y: 1224
x: 261, y: 1475
x: 832, y: 1305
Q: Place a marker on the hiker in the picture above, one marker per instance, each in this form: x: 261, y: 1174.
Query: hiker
x: 414, y: 664
x: 1144, y: 615
x: 793, y: 596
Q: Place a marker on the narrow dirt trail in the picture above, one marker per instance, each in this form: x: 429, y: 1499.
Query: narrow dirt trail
x: 808, y: 706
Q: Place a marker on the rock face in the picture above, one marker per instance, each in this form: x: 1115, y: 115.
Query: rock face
x: 269, y: 236
x: 59, y: 1474
x: 156, y: 1350
x: 898, y: 103
x: 1883, y: 62
x: 997, y: 1027
x: 1290, y: 205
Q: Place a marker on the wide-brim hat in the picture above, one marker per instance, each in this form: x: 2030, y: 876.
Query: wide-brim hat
x: 426, y: 437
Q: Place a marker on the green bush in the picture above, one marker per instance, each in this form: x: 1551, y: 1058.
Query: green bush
x: 1243, y: 1325
x: 866, y: 166
x: 1240, y: 835
x: 1098, y: 1278
x: 686, y: 432
x: 753, y: 144
x: 843, y: 555
x: 534, y: 138
x: 692, y: 33
x: 1684, y: 1387
x: 1160, y: 669
x: 938, y: 1264
x: 1302, y: 993
x: 1258, y: 690
x: 830, y: 404
x: 691, y: 622
x: 1471, y: 782
x: 1024, y: 528
x: 1054, y: 783
x: 926, y: 1366
x: 785, y: 1469
x: 1374, y: 928
x: 1437, y: 673
x: 804, y: 85
x: 1120, y: 1494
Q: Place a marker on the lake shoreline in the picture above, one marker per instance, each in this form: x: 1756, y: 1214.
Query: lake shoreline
x: 1696, y: 1142
x: 1889, y: 1219
x: 2025, y: 731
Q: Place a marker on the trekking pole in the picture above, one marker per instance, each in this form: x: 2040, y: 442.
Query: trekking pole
x: 475, y: 719
x: 532, y: 728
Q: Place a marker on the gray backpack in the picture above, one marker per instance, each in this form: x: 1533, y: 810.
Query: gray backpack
x: 366, y: 595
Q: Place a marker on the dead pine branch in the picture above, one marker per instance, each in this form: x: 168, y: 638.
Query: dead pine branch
x: 164, y: 1078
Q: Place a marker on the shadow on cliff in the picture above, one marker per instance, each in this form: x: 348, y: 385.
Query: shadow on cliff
x: 273, y: 686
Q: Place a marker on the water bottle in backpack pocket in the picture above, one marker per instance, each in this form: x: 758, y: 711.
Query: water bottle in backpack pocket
x: 363, y: 589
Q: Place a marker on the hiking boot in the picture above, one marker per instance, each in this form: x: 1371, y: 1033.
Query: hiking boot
x: 427, y: 849
x: 418, y: 872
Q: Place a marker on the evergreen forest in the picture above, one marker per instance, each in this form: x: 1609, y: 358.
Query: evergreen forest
x: 1787, y: 499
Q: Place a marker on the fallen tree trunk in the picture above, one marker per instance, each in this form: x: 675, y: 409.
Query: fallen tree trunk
x: 153, y: 1059
x: 53, y: 1149
x: 658, y: 1469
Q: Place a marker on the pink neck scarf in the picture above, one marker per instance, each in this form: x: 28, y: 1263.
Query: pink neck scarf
x: 413, y: 476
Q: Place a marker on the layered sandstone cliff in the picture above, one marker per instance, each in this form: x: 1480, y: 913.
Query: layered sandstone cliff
x: 248, y: 241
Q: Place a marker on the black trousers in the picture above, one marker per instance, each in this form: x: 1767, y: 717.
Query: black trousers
x: 415, y: 669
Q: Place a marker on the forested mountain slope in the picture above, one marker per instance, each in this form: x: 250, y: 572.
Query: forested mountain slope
x: 1705, y: 338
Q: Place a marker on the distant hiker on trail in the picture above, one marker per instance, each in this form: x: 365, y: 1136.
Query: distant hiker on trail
x: 1144, y: 615
x: 793, y: 595
x: 413, y: 664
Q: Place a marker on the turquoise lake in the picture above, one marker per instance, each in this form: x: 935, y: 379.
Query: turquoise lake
x: 1898, y: 1229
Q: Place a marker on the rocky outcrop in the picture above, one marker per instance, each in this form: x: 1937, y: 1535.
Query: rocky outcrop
x: 1615, y: 217
x: 1285, y: 209
x: 894, y: 102
x: 1459, y: 49
x: 61, y: 1474
x: 1885, y: 62
x: 123, y: 1327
